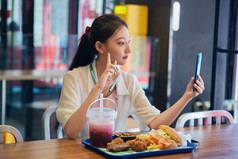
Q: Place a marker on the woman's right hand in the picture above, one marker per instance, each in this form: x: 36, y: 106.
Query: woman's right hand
x: 108, y: 77
x: 77, y: 121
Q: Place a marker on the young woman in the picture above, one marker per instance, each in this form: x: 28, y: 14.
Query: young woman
x: 93, y: 71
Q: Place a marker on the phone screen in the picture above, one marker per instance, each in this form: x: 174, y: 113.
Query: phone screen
x: 198, y: 68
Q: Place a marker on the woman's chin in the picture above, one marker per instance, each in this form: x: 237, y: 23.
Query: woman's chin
x: 123, y: 62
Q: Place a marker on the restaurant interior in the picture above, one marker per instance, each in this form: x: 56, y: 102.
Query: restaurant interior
x: 39, y: 38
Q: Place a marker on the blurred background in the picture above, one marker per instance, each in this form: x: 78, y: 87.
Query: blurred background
x: 42, y: 36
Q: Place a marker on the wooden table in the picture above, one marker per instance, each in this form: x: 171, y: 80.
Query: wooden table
x: 13, y: 75
x: 215, y: 142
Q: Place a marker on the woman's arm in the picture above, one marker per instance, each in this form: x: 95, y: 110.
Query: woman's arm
x: 169, y: 115
x: 77, y: 120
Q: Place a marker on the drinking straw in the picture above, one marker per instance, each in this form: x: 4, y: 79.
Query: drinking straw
x: 101, y: 104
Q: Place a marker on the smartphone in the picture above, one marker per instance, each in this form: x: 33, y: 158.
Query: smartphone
x: 198, y: 68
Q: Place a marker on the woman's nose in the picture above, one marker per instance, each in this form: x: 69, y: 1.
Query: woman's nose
x: 128, y: 48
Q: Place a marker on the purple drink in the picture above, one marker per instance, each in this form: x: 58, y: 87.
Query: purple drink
x: 101, y: 122
x: 100, y: 133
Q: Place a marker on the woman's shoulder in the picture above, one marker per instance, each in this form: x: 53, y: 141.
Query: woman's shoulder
x: 79, y: 71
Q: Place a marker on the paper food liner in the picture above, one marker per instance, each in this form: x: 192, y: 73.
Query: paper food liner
x: 185, y: 138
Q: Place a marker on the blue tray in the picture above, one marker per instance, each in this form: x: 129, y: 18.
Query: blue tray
x: 132, y: 154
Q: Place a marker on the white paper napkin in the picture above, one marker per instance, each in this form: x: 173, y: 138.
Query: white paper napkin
x: 185, y: 138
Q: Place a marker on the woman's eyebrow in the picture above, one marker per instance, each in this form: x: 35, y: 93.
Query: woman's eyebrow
x: 124, y: 38
x: 121, y: 38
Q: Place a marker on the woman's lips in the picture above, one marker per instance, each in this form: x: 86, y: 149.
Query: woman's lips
x: 126, y: 57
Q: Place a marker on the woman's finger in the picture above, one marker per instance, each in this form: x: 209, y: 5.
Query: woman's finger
x: 108, y: 59
x: 200, y: 79
x: 198, y: 89
x: 200, y: 84
x: 113, y: 67
x: 115, y: 76
x: 111, y: 71
x: 192, y: 80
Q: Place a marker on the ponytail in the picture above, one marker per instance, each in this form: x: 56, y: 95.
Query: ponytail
x: 84, y: 55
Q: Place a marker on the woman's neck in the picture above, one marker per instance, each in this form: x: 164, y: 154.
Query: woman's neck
x: 101, y: 65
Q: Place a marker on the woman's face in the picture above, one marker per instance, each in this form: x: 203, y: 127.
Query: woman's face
x: 118, y: 45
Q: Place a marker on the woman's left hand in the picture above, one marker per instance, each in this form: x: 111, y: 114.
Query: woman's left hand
x: 199, y: 85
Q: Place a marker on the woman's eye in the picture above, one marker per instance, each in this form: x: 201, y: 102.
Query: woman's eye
x: 121, y: 43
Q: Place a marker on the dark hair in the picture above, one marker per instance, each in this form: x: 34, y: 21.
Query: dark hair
x: 102, y: 28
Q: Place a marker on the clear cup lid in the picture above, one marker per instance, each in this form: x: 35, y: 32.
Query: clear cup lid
x: 106, y: 113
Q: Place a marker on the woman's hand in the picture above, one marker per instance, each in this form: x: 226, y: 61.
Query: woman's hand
x: 168, y: 116
x: 199, y: 87
x: 108, y: 77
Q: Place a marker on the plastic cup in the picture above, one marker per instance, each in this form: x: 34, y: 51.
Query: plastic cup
x: 101, y: 124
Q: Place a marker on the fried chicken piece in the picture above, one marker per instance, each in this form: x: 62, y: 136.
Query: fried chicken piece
x: 139, y: 145
x: 118, y: 147
x: 146, y: 141
x: 116, y: 141
x: 130, y: 142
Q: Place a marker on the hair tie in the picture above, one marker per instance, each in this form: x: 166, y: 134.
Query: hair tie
x: 87, y: 30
